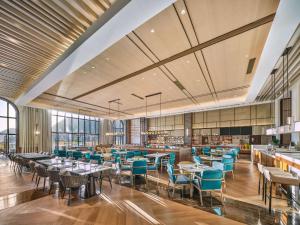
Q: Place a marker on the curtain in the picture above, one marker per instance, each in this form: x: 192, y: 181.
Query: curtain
x: 35, y: 129
x: 105, y: 126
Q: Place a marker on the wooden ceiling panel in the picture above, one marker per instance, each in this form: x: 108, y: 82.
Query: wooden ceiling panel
x: 212, y: 18
x: 189, y: 74
x: 164, y: 34
x: 35, y: 33
x: 228, y: 61
x: 122, y: 58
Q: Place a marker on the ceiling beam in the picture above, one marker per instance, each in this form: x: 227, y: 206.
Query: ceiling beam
x: 201, y: 46
x: 284, y: 25
x: 120, y: 19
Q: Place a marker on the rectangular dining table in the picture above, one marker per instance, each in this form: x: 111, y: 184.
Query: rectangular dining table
x: 33, y: 156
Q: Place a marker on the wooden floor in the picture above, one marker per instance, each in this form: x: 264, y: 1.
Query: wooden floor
x: 122, y: 205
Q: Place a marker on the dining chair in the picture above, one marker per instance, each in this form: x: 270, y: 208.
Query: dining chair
x: 53, y: 174
x: 129, y: 154
x: 228, y: 163
x: 72, y: 182
x: 106, y: 174
x: 139, y: 167
x: 154, y: 168
x: 197, y: 160
x: 32, y: 165
x: 41, y: 172
x: 137, y: 153
x: 194, y: 151
x: 168, y: 160
x: 208, y: 180
x: 177, y: 180
x: 206, y: 151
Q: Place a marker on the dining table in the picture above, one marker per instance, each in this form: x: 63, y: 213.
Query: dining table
x: 33, y: 156
x: 79, y: 168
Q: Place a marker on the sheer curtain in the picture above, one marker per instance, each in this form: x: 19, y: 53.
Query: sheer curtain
x: 35, y: 129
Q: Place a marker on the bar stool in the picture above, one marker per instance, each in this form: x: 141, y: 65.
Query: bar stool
x: 266, y: 178
x: 283, y: 178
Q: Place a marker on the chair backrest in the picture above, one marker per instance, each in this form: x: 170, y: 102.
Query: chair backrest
x: 211, y: 180
x: 53, y: 175
x: 113, y: 151
x: 139, y: 167
x: 41, y: 171
x: 206, y: 151
x: 77, y: 154
x: 194, y: 150
x: 157, y: 161
x: 228, y: 163
x: 137, y: 153
x: 97, y: 157
x: 197, y: 159
x: 62, y: 153
x: 129, y: 155
x: 218, y: 165
x: 219, y: 148
x: 32, y: 165
x: 144, y: 153
x: 170, y: 171
x: 70, y: 181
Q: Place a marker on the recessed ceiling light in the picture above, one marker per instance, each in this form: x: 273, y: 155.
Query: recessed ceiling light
x: 143, y: 78
x: 198, y: 80
x: 246, y: 56
x: 107, y: 59
x: 187, y: 61
x: 2, y: 64
x: 93, y: 67
x: 154, y: 74
x: 12, y: 40
x: 84, y: 72
x: 152, y: 30
x: 182, y: 12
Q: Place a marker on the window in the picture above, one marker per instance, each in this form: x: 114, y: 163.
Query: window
x: 8, y: 126
x: 73, y: 130
x: 118, y: 130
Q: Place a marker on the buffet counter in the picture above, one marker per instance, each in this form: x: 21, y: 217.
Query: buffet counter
x: 281, y: 157
x: 182, y: 153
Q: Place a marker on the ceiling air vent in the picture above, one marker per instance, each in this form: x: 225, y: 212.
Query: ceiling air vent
x: 250, y: 65
x: 179, y: 85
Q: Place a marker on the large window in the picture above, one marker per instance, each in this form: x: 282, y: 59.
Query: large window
x: 73, y: 130
x: 8, y: 126
x: 118, y: 130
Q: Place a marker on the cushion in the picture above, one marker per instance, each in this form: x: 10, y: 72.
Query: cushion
x: 181, y: 179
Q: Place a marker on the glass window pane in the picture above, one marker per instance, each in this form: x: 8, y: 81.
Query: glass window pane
x: 3, y: 108
x: 12, y: 126
x: 54, y: 112
x: 54, y: 124
x: 68, y: 125
x: 11, y: 111
x: 93, y: 124
x: 62, y: 141
x: 61, y: 124
x: 81, y: 140
x: 81, y: 126
x: 87, y: 126
x: 75, y: 115
x: 81, y: 116
x: 61, y: 113
x: 3, y: 125
x: 75, y: 125
x: 75, y: 140
x: 54, y: 138
x: 2, y: 142
x: 68, y: 114
x: 12, y: 143
x: 97, y: 127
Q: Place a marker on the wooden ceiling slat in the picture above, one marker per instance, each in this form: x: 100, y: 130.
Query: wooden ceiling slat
x: 26, y: 20
x: 99, y: 4
x: 23, y: 48
x: 27, y: 42
x: 86, y: 8
x: 25, y: 23
x: 29, y: 34
x: 67, y: 16
x: 55, y: 22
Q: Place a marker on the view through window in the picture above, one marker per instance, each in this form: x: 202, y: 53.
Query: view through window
x: 74, y: 130
x: 8, y: 126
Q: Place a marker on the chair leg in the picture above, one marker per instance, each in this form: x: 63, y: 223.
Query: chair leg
x: 37, y: 184
x: 50, y: 187
x: 263, y: 188
x: 168, y: 188
x: 44, y: 183
x: 69, y: 197
x: 173, y: 192
x: 221, y: 197
x: 33, y: 175
x: 232, y: 174
x: 200, y: 195
x: 109, y: 179
x: 63, y: 193
x: 259, y: 183
x: 100, y: 183
x: 270, y: 199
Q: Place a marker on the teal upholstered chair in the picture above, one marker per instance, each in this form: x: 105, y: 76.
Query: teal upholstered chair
x: 139, y: 167
x: 233, y: 153
x: 176, y: 179
x: 228, y: 164
x: 197, y: 160
x: 120, y: 167
x: 169, y: 160
x: 77, y: 155
x: 144, y: 153
x: 219, y: 148
x: 97, y: 157
x: 129, y: 155
x: 113, y: 153
x: 194, y: 151
x: 62, y: 153
x: 55, y: 152
x: 154, y: 168
x: 137, y: 153
x: 208, y: 180
x: 206, y: 151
